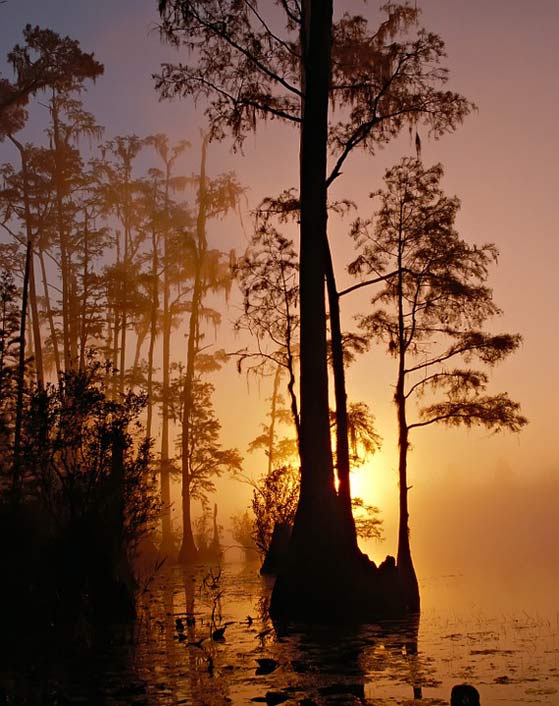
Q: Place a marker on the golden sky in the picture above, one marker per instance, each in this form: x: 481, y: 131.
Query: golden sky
x: 502, y: 165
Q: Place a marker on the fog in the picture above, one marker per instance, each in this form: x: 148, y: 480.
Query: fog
x: 503, y: 525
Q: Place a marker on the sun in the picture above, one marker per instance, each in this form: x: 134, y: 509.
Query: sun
x: 374, y: 482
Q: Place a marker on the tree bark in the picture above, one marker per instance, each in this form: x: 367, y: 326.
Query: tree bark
x: 317, y: 476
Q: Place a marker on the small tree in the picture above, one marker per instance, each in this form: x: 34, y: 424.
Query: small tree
x: 430, y: 311
x: 206, y: 458
x: 88, y: 463
x: 274, y: 502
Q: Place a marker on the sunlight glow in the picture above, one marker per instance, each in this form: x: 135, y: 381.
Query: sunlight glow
x: 373, y: 482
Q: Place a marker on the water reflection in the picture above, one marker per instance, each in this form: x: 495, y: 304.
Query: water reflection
x: 203, y: 637
x: 257, y: 662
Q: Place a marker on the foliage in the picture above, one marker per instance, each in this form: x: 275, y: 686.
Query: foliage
x: 268, y: 278
x: 382, y: 78
x: 284, y: 448
x: 436, y: 298
x: 9, y: 352
x: 75, y: 440
x: 367, y: 522
x: 243, y: 530
x: 249, y: 63
x: 280, y: 450
x: 45, y: 60
x: 207, y: 459
x: 363, y: 438
x: 274, y: 500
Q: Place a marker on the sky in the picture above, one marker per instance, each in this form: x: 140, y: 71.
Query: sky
x: 474, y: 494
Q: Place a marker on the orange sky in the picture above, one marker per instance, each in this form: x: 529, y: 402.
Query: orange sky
x: 501, y: 163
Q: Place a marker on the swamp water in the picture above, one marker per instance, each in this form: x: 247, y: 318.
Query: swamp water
x: 501, y: 639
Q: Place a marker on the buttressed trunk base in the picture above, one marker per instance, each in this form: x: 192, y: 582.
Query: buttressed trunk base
x: 326, y: 578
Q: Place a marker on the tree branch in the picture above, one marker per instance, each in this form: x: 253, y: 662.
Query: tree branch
x: 382, y: 278
x: 216, y: 29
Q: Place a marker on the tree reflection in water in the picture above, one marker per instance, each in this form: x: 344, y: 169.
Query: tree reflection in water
x: 508, y: 653
x: 172, y: 656
x: 257, y: 661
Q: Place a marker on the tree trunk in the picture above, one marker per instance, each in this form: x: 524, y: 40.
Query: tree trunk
x: 342, y: 442
x: 404, y: 561
x: 65, y: 262
x: 326, y: 578
x: 316, y: 542
x: 317, y: 476
x: 85, y: 292
x: 167, y: 543
x: 50, y: 316
x: 215, y: 545
x: 127, y: 260
x: 114, y: 346
x: 32, y: 286
x: 273, y: 414
x: 16, y: 467
x: 122, y: 362
x: 152, y: 329
x: 188, y: 552
x: 141, y: 334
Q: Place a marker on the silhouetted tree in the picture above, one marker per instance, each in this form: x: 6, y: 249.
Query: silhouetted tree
x: 207, y: 534
x: 274, y: 502
x: 275, y: 494
x: 436, y: 304
x: 29, y: 277
x: 44, y: 61
x: 176, y: 269
x: 121, y: 193
x: 206, y: 459
x: 290, y: 72
x: 28, y: 204
x: 88, y: 463
x: 267, y: 275
x: 92, y: 240
x: 68, y: 122
x: 211, y: 273
x: 10, y: 312
x: 279, y: 450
